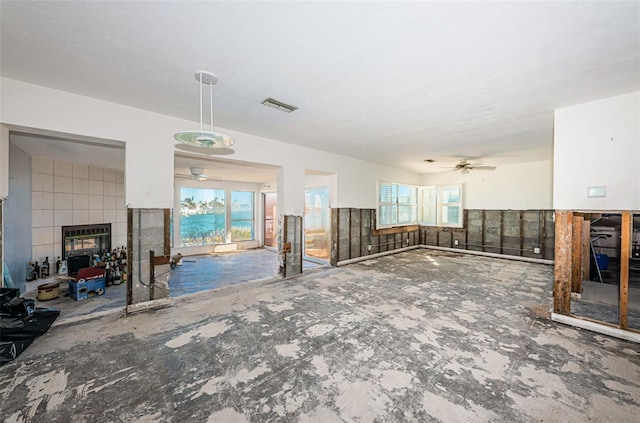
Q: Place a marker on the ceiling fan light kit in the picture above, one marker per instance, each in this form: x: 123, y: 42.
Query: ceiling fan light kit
x: 202, y: 138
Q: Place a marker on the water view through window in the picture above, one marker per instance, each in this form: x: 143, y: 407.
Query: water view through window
x: 202, y: 217
x: 207, y: 219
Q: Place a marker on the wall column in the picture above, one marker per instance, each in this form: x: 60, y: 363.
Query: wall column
x: 290, y: 220
x: 147, y: 277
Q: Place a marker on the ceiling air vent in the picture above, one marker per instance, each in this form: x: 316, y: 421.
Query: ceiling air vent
x: 278, y: 105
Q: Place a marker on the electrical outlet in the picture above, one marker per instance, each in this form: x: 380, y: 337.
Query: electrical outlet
x: 455, y: 242
x: 536, y: 250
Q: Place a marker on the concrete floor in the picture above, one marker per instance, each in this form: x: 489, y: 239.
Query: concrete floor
x: 419, y: 336
x: 197, y: 273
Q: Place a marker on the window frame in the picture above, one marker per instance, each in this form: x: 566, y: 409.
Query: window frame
x: 252, y: 220
x: 439, y: 205
x: 436, y: 206
x: 415, y: 205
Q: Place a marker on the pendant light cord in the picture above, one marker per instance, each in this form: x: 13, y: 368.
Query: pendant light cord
x: 211, y: 98
x: 201, y: 115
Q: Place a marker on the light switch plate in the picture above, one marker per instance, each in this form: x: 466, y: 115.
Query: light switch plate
x: 597, y: 191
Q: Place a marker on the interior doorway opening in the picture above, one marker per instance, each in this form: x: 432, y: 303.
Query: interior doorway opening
x: 317, y: 224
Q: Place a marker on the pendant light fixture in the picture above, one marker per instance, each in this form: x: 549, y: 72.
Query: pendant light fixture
x: 202, y: 138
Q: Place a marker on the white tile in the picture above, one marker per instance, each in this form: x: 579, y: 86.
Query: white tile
x: 121, y: 215
x: 110, y: 202
x: 41, y: 218
x: 96, y: 173
x: 80, y: 202
x: 109, y: 216
x: 39, y: 252
x: 62, y: 184
x: 42, y: 165
x: 80, y: 186
x: 109, y: 175
x: 80, y: 171
x: 57, y: 232
x: 121, y: 229
x: 40, y: 182
x: 121, y: 240
x: 120, y: 203
x: 42, y: 236
x: 62, y: 201
x: 96, y: 216
x: 63, y: 217
x: 120, y: 190
x: 96, y: 202
x: 81, y: 217
x: 41, y: 200
x: 119, y: 177
x: 62, y: 169
x: 109, y: 188
x: 96, y: 187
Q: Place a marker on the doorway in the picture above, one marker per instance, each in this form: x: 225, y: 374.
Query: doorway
x: 317, y: 223
x: 270, y: 224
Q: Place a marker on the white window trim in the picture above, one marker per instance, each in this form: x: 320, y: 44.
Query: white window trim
x: 378, y: 204
x: 439, y: 187
x: 420, y: 206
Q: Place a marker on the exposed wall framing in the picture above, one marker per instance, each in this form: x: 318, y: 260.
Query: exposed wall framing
x: 508, y: 232
x: 572, y: 265
x: 353, y: 235
x: 290, y: 240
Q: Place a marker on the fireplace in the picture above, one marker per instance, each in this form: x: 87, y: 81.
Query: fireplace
x: 87, y: 240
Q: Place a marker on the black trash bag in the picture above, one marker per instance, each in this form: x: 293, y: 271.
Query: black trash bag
x: 18, y: 307
x: 8, y: 352
x: 20, y: 323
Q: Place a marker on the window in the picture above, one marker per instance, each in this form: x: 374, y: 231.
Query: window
x: 397, y: 204
x: 202, y: 217
x: 242, y: 216
x: 441, y: 205
x: 436, y: 205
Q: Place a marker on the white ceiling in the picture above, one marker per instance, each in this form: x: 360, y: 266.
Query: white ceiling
x: 389, y: 82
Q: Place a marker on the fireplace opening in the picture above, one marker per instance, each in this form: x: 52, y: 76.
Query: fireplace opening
x: 85, y: 240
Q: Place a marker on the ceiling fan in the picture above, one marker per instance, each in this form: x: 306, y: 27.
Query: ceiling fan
x: 197, y: 174
x: 464, y: 166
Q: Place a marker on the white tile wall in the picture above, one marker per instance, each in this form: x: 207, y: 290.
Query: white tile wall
x: 62, y: 169
x: 80, y: 186
x: 62, y: 184
x: 96, y: 187
x: 65, y: 194
x: 62, y: 201
x: 96, y: 173
x: 42, y: 165
x: 109, y: 175
x: 81, y: 171
x: 41, y: 183
x: 80, y: 202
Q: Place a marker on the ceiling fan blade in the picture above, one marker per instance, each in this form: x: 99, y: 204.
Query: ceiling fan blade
x: 482, y: 167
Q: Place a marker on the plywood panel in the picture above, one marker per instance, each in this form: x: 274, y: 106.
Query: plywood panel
x: 563, y: 266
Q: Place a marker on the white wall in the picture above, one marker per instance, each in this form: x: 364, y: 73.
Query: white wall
x: 65, y: 194
x: 596, y: 144
x: 150, y: 135
x: 518, y: 187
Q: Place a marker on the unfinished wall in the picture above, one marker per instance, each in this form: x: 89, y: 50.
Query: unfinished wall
x: 508, y: 232
x: 353, y: 235
x: 148, y: 278
x: 290, y: 246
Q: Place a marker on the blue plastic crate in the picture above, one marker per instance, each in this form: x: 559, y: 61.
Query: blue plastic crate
x: 83, y: 290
